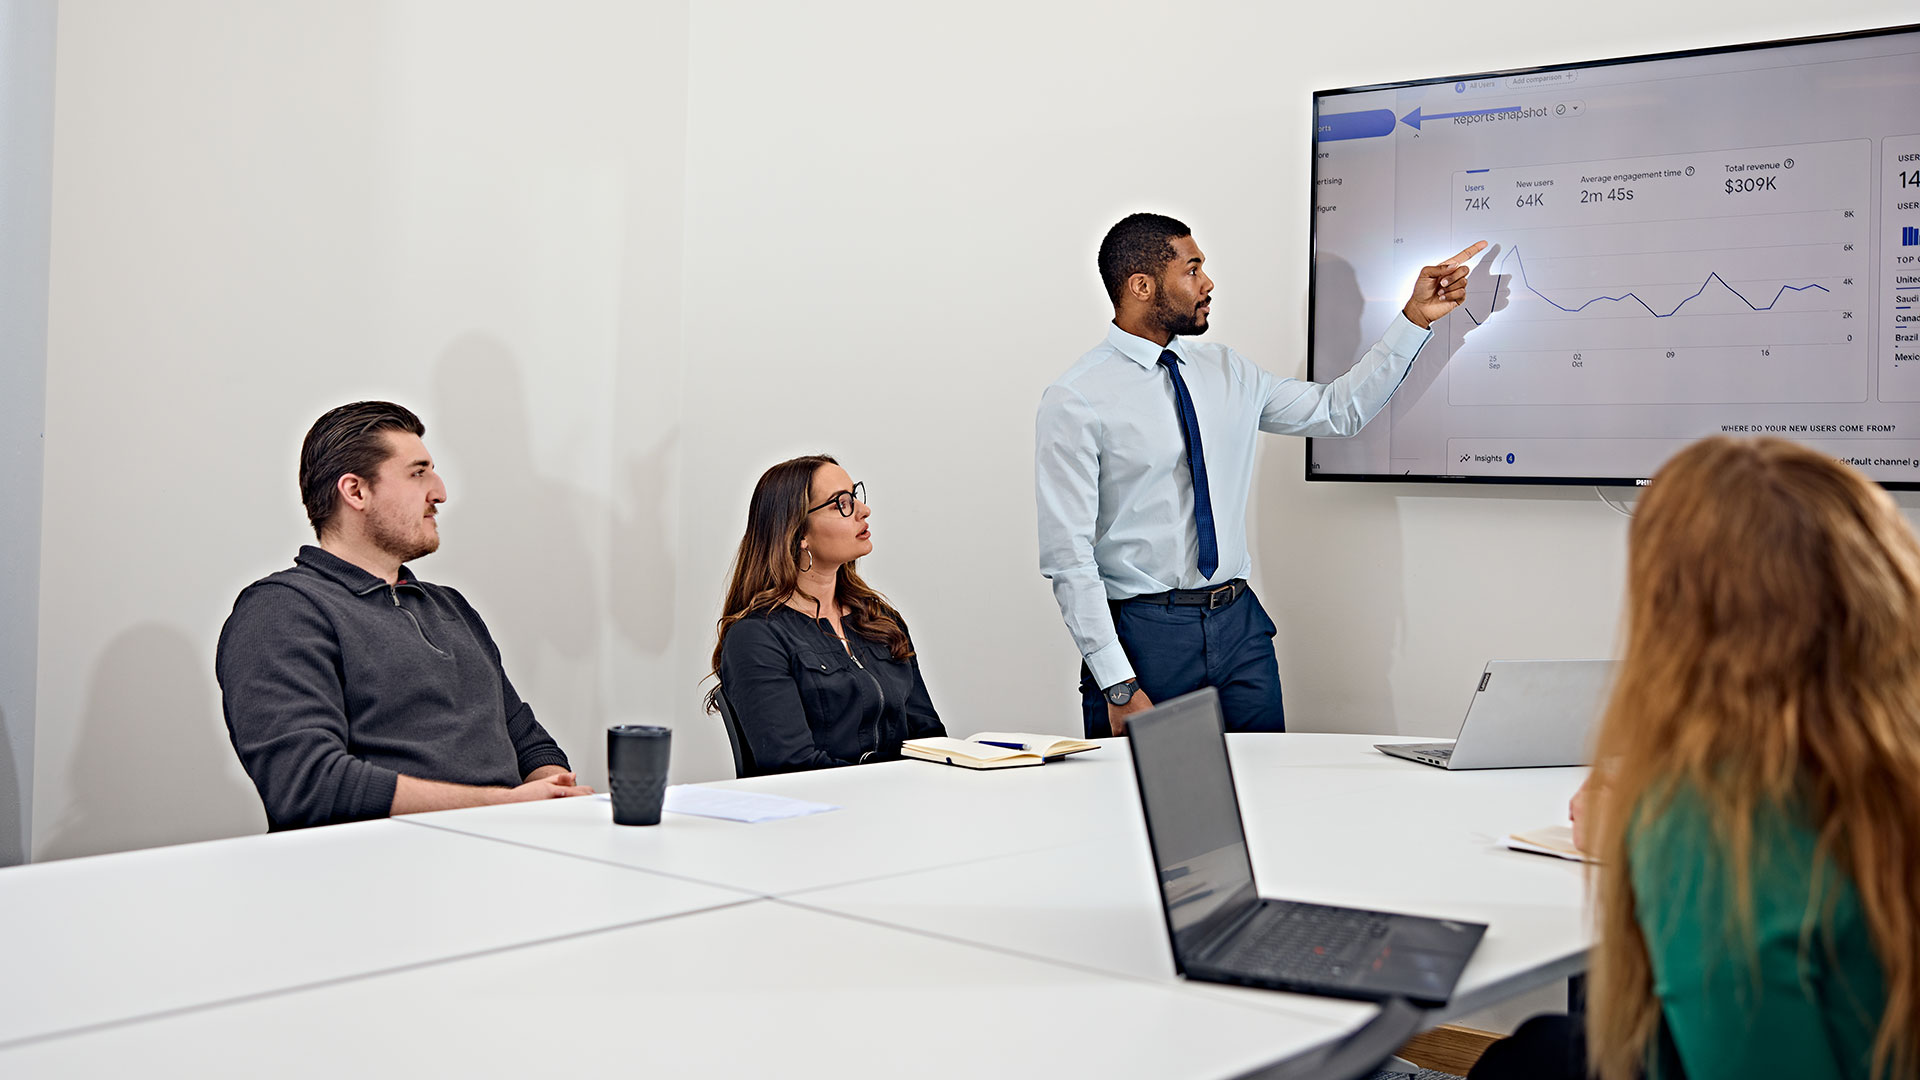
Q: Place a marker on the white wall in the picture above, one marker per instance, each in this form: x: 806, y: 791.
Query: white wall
x: 26, y: 131
x: 265, y: 210
x: 892, y: 216
x: 624, y: 257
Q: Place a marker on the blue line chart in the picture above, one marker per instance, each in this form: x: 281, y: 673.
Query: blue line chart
x: 1712, y: 277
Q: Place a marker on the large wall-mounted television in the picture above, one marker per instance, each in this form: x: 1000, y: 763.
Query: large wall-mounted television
x: 1684, y: 244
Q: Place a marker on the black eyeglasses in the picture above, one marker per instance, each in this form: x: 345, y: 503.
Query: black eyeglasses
x: 845, y: 500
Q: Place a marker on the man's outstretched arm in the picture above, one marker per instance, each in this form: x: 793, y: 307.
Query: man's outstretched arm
x: 412, y: 795
x: 1340, y: 408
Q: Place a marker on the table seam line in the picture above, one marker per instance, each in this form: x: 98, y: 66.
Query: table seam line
x: 917, y: 870
x: 757, y: 894
x: 1049, y: 960
x: 341, y: 980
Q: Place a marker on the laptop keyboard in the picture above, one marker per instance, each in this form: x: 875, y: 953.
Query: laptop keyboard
x: 1442, y: 752
x: 1304, y: 941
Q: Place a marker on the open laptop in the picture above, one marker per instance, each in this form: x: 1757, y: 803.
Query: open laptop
x: 1525, y: 714
x: 1222, y: 929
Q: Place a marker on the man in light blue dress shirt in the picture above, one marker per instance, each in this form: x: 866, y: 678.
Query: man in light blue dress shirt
x: 1143, y: 460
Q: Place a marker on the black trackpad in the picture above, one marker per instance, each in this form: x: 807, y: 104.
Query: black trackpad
x: 1422, y: 973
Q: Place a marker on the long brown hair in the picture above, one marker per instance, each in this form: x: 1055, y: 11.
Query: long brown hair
x: 1772, y: 659
x: 766, y: 568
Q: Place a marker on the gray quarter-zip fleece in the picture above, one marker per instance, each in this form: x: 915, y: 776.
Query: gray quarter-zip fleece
x: 334, y: 683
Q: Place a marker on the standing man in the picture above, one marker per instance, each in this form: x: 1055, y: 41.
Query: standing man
x: 1143, y: 459
x: 353, y: 689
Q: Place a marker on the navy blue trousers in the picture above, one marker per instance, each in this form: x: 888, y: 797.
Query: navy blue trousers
x: 1176, y: 650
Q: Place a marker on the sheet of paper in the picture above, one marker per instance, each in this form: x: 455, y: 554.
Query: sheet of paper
x: 729, y: 805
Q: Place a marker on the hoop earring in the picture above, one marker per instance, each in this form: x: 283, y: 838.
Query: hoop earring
x: 809, y: 556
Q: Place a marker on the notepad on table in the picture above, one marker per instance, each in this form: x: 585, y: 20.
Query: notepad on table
x: 1554, y: 840
x: 995, y: 749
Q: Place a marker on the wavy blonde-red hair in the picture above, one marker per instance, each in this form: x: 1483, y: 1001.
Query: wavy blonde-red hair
x: 1772, y: 656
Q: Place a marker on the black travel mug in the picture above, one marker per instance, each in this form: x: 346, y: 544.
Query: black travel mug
x: 637, y: 771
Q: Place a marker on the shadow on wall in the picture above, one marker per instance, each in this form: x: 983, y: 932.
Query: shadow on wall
x: 642, y: 564
x: 1338, y: 309
x: 13, y: 837
x: 152, y: 763
x: 520, y: 542
x: 1487, y: 292
x: 1334, y: 659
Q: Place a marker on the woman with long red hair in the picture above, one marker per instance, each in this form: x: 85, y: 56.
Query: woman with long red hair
x: 1757, y: 814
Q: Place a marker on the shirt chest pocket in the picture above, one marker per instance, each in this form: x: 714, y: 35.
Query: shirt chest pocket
x: 1146, y: 440
x: 826, y: 685
x: 815, y: 664
x: 821, y: 670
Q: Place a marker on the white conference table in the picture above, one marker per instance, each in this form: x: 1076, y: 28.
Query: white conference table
x: 761, y: 990
x: 90, y: 942
x: 896, y: 817
x: 1329, y: 820
x: 942, y: 921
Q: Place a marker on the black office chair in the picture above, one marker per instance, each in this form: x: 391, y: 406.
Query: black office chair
x: 1359, y: 1055
x: 742, y: 753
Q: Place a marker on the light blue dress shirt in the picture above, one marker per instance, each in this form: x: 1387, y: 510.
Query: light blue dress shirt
x: 1110, y: 472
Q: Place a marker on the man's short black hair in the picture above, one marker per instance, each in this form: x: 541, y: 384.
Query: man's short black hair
x: 1138, y: 244
x: 349, y: 439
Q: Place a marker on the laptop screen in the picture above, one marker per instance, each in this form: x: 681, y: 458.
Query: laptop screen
x: 1193, y: 819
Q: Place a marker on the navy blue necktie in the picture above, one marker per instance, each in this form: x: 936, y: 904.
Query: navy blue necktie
x: 1197, y: 464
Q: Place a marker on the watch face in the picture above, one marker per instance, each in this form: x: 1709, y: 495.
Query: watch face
x: 1121, y: 694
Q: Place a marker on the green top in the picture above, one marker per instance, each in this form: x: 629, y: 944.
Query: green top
x: 1807, y: 1004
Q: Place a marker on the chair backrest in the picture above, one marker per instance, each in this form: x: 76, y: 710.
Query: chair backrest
x: 742, y: 753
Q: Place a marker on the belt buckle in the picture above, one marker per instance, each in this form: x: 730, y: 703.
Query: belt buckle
x: 1213, y: 596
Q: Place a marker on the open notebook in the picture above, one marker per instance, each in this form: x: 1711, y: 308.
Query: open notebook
x: 1554, y: 840
x: 995, y: 749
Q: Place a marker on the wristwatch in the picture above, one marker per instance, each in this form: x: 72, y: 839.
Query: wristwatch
x: 1122, y: 692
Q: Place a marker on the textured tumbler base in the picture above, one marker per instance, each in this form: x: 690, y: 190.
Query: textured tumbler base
x: 636, y: 801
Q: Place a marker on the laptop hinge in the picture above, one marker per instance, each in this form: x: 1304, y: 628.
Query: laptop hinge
x: 1231, y: 927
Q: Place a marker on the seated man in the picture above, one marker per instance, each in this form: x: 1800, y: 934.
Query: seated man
x: 353, y: 689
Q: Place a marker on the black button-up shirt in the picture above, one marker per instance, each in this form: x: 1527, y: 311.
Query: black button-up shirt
x: 804, y: 702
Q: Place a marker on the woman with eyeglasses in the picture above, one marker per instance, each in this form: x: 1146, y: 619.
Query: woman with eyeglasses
x: 817, y: 666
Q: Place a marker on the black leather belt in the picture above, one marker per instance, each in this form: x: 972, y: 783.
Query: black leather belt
x: 1217, y: 597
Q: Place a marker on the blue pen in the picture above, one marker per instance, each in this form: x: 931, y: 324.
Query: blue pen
x: 1004, y: 745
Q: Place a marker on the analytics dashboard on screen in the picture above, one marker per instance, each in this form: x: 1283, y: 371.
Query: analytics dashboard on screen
x: 1679, y: 246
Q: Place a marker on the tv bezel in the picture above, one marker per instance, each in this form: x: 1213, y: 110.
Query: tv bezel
x: 1313, y: 243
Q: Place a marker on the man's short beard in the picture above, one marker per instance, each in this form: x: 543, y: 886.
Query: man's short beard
x: 1176, y: 322
x: 399, y: 544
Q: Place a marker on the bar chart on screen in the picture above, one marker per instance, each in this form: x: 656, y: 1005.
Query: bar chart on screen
x: 1899, y: 316
x: 1733, y: 276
